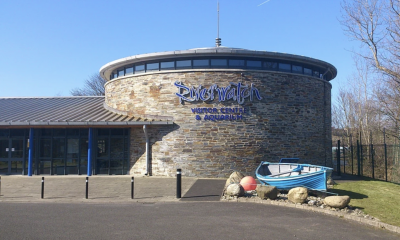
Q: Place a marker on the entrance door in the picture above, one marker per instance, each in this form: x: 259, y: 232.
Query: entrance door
x: 11, y: 155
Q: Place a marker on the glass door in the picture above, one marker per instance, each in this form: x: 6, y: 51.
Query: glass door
x: 11, y: 156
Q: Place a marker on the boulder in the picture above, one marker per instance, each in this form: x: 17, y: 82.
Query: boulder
x: 235, y: 190
x: 267, y: 192
x: 337, y: 201
x: 298, y: 195
x: 235, y: 177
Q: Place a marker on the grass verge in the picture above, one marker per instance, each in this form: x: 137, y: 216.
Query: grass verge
x: 377, y: 198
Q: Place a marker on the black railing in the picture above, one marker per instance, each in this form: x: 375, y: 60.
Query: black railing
x: 376, y: 161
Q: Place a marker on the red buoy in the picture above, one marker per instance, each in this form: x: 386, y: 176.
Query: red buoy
x: 248, y: 183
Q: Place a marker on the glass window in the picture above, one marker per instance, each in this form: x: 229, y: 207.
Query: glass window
x: 17, y: 132
x: 201, y: 63
x: 58, y: 147
x: 152, y: 67
x: 297, y: 69
x: 59, y: 132
x: 121, y: 72
x: 139, y: 68
x: 46, y: 132
x: 4, y: 132
x: 271, y: 65
x: 45, y: 148
x: 103, y: 132
x: 284, y: 67
x: 253, y: 64
x: 115, y: 74
x: 236, y: 63
x: 219, y: 62
x: 167, y: 65
x: 117, y: 131
x: 128, y: 71
x: 183, y: 64
x: 307, y: 71
x: 102, y: 148
x: 73, y: 132
x: 316, y: 74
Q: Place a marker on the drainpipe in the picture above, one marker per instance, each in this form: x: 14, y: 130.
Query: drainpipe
x: 147, y: 150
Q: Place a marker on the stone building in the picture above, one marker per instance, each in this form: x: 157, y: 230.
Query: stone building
x: 208, y: 111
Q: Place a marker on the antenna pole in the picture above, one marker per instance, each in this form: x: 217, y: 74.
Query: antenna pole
x: 218, y: 40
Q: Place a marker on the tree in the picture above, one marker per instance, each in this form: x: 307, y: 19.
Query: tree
x: 94, y: 86
x: 376, y: 25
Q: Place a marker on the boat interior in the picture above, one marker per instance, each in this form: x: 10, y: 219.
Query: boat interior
x: 285, y: 170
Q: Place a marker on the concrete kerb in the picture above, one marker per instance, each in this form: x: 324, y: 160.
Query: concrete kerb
x: 358, y: 219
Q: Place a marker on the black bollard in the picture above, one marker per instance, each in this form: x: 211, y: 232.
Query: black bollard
x: 132, y: 181
x: 87, y: 187
x: 42, y: 187
x: 0, y: 185
x: 178, y: 182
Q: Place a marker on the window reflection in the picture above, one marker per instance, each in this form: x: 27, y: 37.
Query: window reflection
x: 215, y: 63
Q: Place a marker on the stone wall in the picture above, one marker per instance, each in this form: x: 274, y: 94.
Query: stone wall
x: 293, y: 119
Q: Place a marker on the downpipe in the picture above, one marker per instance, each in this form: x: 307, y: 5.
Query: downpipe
x: 145, y: 129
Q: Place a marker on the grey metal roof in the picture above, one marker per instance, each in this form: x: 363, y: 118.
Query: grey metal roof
x: 64, y: 111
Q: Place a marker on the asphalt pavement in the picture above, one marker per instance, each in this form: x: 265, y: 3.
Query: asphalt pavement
x: 155, y: 212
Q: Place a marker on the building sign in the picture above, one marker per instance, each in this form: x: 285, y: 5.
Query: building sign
x: 235, y: 91
x: 221, y: 114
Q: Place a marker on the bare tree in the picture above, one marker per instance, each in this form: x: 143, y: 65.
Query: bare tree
x: 94, y: 86
x: 376, y: 25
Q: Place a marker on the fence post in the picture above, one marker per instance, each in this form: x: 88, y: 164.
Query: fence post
x: 344, y: 159
x: 358, y: 159
x: 384, y: 144
x: 132, y: 183
x: 178, y: 182
x: 372, y: 161
x: 42, y: 194
x: 338, y: 158
x: 87, y: 187
x: 352, y: 157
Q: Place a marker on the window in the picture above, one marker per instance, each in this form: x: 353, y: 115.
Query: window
x: 151, y: 67
x: 297, y: 69
x: 316, y: 74
x: 307, y: 71
x: 121, y: 72
x: 184, y: 64
x: 115, y: 74
x: 253, y: 64
x: 167, y: 65
x: 139, y: 68
x: 236, y: 63
x: 271, y: 65
x: 219, y: 62
x: 201, y: 63
x: 285, y: 67
x: 128, y: 71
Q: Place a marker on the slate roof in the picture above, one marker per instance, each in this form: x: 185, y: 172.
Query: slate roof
x: 64, y: 111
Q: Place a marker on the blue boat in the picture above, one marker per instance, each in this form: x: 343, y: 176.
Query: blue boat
x: 285, y: 176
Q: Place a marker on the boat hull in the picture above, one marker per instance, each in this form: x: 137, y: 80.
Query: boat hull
x: 312, y: 180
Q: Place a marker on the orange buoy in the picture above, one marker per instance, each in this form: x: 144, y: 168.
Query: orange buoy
x: 248, y: 183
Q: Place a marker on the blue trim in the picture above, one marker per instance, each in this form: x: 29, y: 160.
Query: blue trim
x: 90, y: 153
x: 30, y: 154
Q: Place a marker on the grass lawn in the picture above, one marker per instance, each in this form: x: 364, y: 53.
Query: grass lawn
x: 377, y: 198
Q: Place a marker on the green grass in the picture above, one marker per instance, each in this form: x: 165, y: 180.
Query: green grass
x: 377, y: 198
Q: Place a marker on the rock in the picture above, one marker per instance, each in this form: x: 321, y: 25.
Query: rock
x: 235, y: 189
x: 298, y: 195
x: 337, y: 201
x: 267, y: 192
x: 235, y: 177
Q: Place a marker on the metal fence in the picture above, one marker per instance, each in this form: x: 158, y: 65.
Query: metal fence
x: 377, y: 161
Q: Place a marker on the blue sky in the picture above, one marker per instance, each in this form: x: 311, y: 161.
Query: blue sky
x: 48, y: 47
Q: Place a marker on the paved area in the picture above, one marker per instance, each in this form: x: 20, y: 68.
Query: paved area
x: 101, y: 189
x: 175, y: 220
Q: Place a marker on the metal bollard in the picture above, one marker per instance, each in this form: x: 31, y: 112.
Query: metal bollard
x: 178, y: 182
x: 87, y: 187
x: 132, y: 183
x: 42, y: 195
x: 0, y: 185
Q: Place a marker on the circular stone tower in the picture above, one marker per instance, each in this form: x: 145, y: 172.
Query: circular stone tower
x: 231, y: 108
